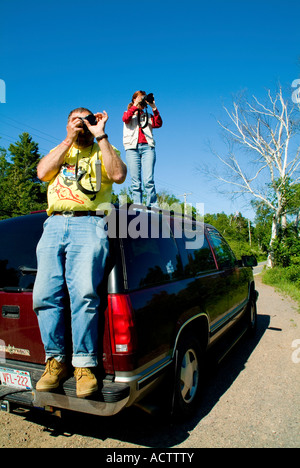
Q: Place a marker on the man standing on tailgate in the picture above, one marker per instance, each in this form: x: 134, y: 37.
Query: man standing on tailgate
x: 73, y: 249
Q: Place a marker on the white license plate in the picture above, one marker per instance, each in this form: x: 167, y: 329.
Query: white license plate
x: 15, y: 378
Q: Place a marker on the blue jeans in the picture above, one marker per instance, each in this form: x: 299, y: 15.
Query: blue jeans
x: 142, y: 159
x: 71, y: 254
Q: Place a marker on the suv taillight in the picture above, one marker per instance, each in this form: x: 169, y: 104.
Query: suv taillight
x: 121, y: 325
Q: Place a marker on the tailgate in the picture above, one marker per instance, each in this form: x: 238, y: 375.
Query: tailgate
x: 19, y: 331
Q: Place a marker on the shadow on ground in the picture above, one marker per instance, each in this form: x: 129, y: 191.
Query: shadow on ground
x: 154, y: 430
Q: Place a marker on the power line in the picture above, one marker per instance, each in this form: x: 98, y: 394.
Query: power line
x: 12, y: 140
x: 7, y: 137
x: 178, y: 188
x: 28, y: 126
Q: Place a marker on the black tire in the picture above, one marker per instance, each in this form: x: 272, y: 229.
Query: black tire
x: 188, y: 377
x: 252, y: 315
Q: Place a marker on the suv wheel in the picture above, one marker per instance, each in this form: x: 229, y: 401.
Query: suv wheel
x: 188, y: 377
x: 252, y: 315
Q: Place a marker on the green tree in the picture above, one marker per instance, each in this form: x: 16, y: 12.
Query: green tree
x: 4, y: 166
x: 238, y: 231
x: 293, y: 208
x: 21, y: 190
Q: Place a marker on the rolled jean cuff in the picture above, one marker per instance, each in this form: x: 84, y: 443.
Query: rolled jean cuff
x: 58, y: 357
x: 84, y: 360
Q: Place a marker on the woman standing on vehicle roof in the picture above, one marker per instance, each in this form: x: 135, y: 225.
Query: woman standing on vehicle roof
x: 140, y: 145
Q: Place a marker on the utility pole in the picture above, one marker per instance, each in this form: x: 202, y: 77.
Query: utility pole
x: 249, y: 229
x: 184, y: 195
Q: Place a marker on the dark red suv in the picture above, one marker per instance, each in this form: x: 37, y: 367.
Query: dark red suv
x: 172, y: 289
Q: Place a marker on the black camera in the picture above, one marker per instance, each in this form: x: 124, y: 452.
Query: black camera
x: 149, y: 98
x: 91, y: 119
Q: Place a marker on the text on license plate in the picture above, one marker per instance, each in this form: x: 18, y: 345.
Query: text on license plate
x: 15, y: 378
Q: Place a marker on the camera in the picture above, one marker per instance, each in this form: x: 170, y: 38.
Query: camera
x: 91, y: 119
x: 149, y: 98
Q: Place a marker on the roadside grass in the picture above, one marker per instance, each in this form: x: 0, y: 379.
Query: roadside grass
x: 285, y: 280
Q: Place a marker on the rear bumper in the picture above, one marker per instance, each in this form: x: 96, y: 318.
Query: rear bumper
x: 96, y: 407
x: 109, y: 400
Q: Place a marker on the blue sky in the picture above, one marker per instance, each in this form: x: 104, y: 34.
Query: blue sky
x: 193, y: 55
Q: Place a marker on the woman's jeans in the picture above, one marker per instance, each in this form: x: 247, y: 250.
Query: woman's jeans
x: 71, y: 254
x: 142, y: 160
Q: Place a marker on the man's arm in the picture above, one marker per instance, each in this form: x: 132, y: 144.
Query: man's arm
x: 50, y: 165
x: 115, y: 167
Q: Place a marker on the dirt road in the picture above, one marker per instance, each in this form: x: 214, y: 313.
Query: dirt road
x: 251, y: 400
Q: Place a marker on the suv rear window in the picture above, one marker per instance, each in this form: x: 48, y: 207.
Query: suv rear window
x: 19, y: 237
x: 150, y: 261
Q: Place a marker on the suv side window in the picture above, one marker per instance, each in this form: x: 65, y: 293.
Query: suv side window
x: 196, y: 261
x: 150, y: 261
x: 225, y: 256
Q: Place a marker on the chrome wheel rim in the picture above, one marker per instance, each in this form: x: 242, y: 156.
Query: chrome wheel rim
x: 189, y: 376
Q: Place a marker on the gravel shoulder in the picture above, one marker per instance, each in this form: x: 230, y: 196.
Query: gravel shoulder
x: 250, y: 400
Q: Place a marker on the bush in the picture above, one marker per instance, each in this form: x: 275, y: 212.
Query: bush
x: 287, y: 248
x: 243, y: 248
x: 292, y: 274
x: 285, y: 279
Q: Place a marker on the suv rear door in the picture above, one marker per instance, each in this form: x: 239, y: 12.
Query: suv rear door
x: 235, y: 278
x: 200, y: 265
x: 19, y: 331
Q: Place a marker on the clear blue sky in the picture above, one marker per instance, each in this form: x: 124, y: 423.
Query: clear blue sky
x: 193, y: 55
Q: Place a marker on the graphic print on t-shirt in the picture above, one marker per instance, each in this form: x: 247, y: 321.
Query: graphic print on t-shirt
x: 64, y: 184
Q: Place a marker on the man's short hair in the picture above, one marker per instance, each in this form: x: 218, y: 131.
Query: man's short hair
x: 79, y: 109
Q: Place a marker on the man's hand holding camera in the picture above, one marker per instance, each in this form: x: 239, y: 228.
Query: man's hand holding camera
x: 98, y: 129
x: 81, y: 131
x: 74, y: 127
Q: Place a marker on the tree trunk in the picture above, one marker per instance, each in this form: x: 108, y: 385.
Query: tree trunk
x: 276, y: 224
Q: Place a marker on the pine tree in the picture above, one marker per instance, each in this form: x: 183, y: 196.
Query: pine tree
x: 21, y: 190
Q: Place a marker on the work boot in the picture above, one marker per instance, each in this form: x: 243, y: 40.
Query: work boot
x: 54, y: 372
x: 86, y: 382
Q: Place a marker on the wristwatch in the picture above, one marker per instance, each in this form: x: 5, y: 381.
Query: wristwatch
x: 99, y: 138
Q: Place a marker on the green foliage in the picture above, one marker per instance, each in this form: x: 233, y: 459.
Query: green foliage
x: 21, y: 190
x: 286, y: 279
x: 263, y: 225
x: 287, y: 248
x: 238, y: 232
x: 286, y: 273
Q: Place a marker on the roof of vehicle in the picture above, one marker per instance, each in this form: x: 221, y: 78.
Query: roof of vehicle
x: 132, y: 209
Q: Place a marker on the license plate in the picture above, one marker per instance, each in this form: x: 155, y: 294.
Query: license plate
x: 15, y: 378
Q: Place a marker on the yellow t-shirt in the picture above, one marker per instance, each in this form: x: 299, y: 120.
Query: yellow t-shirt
x: 63, y: 192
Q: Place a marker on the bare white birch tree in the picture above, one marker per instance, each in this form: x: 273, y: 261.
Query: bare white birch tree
x: 271, y: 163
